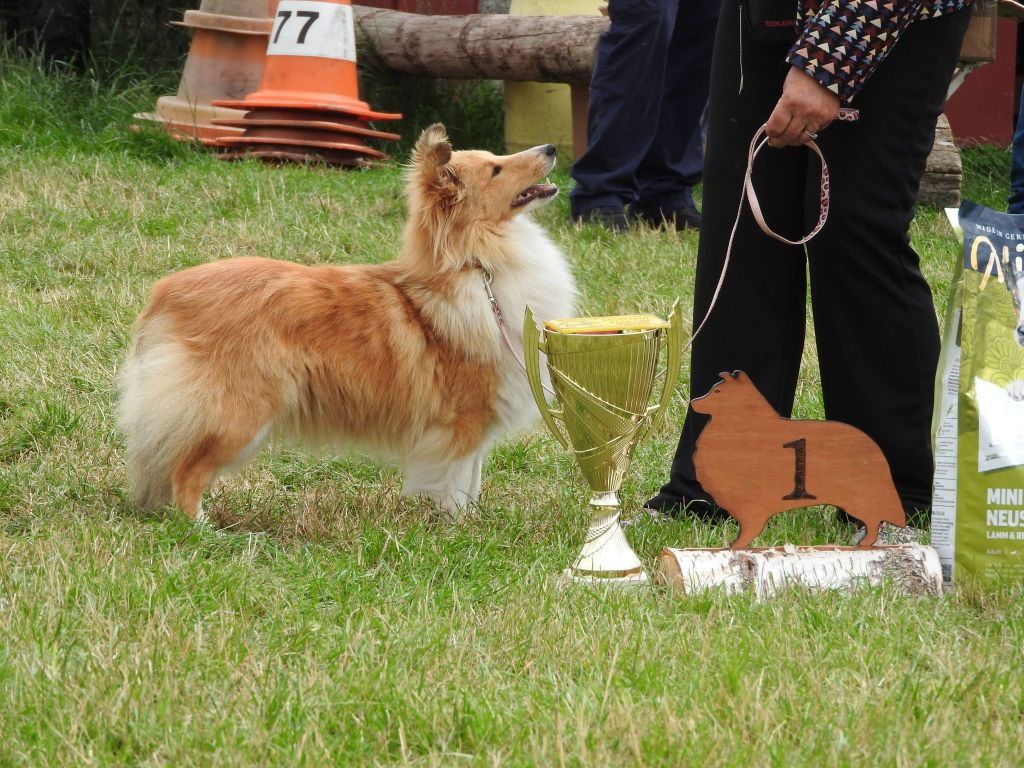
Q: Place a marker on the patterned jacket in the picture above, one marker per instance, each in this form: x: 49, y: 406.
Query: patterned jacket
x: 842, y: 41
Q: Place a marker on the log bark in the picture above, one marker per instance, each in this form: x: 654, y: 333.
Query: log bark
x: 943, y: 174
x: 912, y: 569
x: 546, y: 49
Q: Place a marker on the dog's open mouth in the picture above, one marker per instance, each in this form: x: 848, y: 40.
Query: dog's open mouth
x: 536, y: 192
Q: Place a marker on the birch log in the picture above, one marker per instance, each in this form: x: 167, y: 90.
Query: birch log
x: 484, y: 46
x: 913, y: 569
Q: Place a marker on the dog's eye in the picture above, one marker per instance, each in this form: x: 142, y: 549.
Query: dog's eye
x: 495, y: 171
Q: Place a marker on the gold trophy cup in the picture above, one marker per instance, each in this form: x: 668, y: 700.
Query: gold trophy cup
x: 603, y: 370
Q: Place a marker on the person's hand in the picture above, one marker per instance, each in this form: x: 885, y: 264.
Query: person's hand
x: 806, y: 107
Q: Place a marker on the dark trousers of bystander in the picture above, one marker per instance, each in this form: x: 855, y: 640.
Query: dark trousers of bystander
x: 648, y: 91
x: 875, y: 324
x: 1015, y: 203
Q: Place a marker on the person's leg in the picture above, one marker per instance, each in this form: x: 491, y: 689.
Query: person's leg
x: 673, y: 164
x: 625, y: 95
x: 757, y: 324
x: 1016, y: 201
x: 874, y: 319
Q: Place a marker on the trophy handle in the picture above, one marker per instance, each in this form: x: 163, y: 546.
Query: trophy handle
x: 532, y: 347
x: 674, y: 342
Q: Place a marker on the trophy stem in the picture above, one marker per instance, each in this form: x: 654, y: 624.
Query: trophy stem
x: 606, y: 557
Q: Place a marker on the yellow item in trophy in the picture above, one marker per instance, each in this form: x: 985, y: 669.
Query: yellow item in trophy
x: 609, y: 324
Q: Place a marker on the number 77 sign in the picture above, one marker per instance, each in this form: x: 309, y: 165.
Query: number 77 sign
x: 310, y: 65
x: 308, y: 105
x: 310, y: 28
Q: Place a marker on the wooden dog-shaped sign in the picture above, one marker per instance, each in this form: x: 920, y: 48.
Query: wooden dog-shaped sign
x: 756, y: 464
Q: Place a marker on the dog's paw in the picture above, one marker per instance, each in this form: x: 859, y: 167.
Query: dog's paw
x: 204, y: 525
x: 1016, y: 390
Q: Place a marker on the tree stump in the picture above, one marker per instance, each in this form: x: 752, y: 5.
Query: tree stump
x: 943, y: 174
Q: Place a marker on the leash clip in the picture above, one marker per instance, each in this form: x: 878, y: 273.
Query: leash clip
x: 488, y: 277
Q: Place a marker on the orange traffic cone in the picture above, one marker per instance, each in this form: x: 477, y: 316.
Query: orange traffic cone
x: 225, y: 60
x: 308, y: 103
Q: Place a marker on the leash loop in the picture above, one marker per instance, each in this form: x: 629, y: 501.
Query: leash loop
x: 756, y: 145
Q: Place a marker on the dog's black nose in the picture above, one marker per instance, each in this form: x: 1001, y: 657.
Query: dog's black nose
x: 549, y: 150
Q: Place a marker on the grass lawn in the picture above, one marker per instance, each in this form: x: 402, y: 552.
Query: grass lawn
x: 335, y: 623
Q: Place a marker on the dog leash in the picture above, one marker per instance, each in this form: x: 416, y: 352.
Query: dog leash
x: 747, y: 193
x: 499, y: 319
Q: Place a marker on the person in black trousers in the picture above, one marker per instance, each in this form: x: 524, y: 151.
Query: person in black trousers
x: 875, y: 325
x: 647, y: 93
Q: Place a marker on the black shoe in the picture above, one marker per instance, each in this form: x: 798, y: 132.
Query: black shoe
x: 648, y: 516
x: 891, y: 535
x: 607, y: 216
x: 681, y: 219
x: 701, y: 509
x: 916, y: 516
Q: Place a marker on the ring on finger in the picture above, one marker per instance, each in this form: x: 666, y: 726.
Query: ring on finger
x: 812, y: 134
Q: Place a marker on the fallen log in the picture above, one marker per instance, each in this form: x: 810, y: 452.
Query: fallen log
x: 912, y: 569
x: 486, y: 46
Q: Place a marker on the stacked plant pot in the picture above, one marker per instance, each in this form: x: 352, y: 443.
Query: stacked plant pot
x: 307, y: 107
x: 225, y: 61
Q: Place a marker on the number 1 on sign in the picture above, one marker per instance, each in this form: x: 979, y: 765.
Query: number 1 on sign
x: 800, y: 473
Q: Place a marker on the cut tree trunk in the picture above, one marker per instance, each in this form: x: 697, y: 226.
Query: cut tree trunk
x: 943, y: 174
x: 911, y: 568
x: 546, y: 49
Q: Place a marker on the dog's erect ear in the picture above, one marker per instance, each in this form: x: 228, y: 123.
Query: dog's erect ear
x: 432, y: 151
x: 435, y: 190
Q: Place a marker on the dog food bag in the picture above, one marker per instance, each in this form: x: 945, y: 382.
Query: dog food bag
x: 978, y: 500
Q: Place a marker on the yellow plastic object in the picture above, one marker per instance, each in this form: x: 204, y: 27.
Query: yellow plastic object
x: 609, y: 324
x: 541, y: 113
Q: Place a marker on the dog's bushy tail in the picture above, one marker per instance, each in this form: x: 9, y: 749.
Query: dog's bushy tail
x: 159, y: 412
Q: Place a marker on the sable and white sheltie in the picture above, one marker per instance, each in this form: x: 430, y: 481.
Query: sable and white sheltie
x: 404, y: 360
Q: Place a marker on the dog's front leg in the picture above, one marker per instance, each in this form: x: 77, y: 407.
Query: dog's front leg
x: 462, y: 488
x: 476, y: 477
x: 453, y: 486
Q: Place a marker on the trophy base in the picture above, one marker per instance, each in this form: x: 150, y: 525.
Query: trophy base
x: 606, y: 558
x: 627, y: 581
